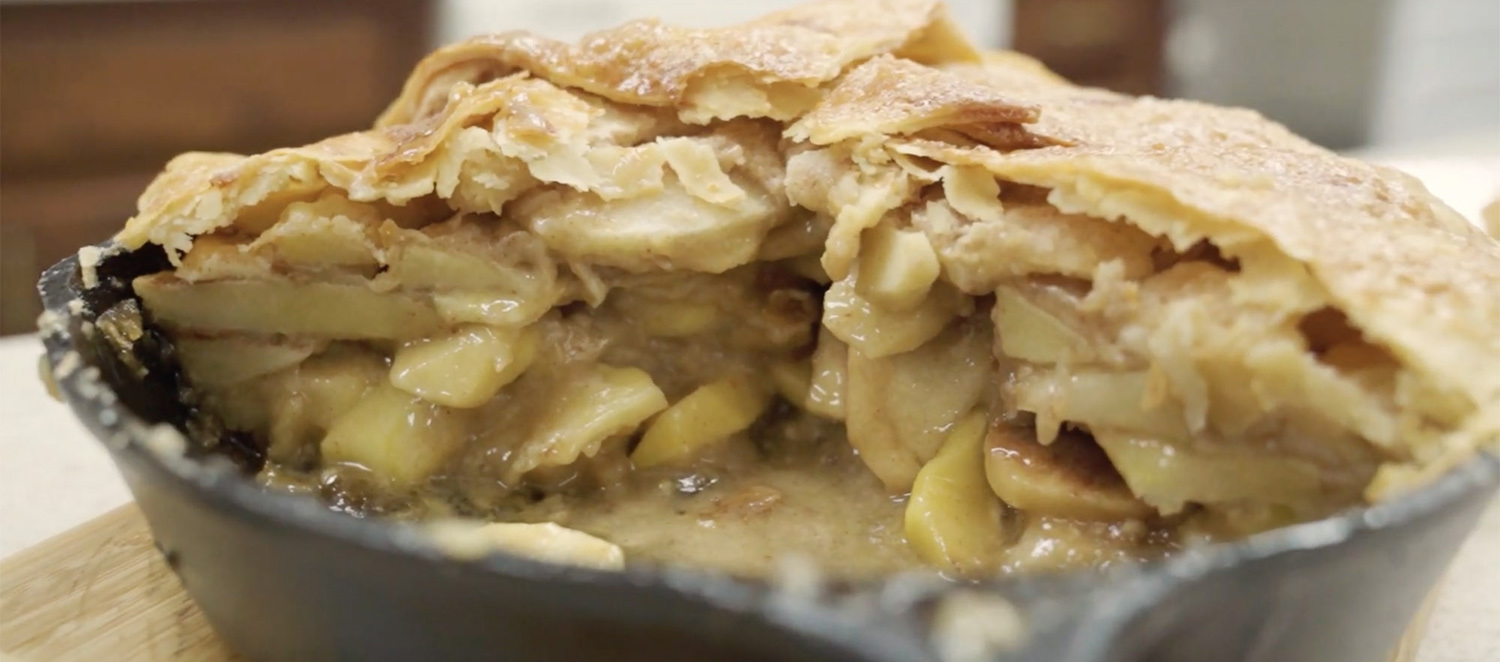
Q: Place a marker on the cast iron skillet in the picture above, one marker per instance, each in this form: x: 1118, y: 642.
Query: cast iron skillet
x: 283, y: 578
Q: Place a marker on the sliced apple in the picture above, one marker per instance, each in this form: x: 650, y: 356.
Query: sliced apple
x: 1171, y: 475
x: 1029, y: 333
x: 465, y: 368
x: 1070, y: 478
x: 897, y: 268
x: 708, y: 415
x: 793, y: 381
x: 877, y: 332
x: 673, y: 229
x: 830, y: 375
x: 588, y: 408
x: 399, y: 437
x: 907, y: 403
x: 953, y: 520
x: 1098, y: 399
x: 543, y: 541
x: 228, y: 360
x: 325, y: 310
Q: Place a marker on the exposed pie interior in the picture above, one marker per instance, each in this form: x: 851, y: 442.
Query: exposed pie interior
x: 831, y: 283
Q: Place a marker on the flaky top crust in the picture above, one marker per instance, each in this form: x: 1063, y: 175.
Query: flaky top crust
x: 1408, y: 271
x: 648, y: 63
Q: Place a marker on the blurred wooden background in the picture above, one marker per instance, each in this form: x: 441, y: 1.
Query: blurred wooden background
x: 97, y: 96
x: 1115, y: 44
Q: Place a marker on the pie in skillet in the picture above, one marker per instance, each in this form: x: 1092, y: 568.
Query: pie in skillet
x: 831, y: 283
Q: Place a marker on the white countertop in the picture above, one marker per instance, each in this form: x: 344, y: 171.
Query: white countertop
x: 54, y: 476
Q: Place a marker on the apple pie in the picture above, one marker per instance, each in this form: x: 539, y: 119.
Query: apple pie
x: 831, y: 283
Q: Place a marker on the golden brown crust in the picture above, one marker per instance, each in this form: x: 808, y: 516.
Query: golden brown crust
x: 892, y: 79
x: 891, y: 96
x: 646, y: 62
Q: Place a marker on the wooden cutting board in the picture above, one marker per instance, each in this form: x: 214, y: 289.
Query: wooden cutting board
x: 101, y: 591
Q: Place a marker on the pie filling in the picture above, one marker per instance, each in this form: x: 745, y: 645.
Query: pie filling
x: 554, y: 363
x: 652, y: 334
